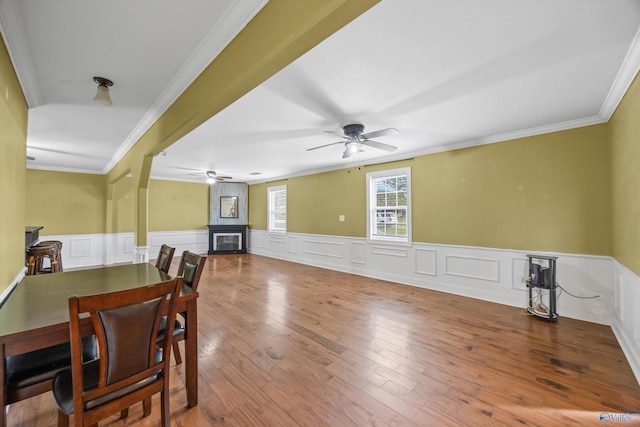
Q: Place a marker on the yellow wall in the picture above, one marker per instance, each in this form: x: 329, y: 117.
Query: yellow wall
x: 74, y: 203
x: 258, y: 205
x: 124, y: 206
x: 546, y: 193
x: 13, y: 142
x: 175, y: 206
x: 624, y: 133
x: 543, y: 193
x: 66, y: 203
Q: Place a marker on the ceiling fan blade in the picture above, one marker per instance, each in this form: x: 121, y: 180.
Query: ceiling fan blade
x: 381, y: 132
x: 326, y: 145
x: 380, y: 145
x: 347, y: 153
x: 336, y: 133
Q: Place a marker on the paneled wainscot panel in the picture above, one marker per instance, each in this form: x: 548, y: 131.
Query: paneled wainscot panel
x: 474, y: 268
x: 319, y: 247
x: 80, y: 248
x: 519, y: 273
x: 293, y: 245
x: 427, y: 261
x: 358, y: 253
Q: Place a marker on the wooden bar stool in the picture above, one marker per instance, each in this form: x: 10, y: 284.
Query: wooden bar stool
x: 36, y: 254
x: 56, y: 243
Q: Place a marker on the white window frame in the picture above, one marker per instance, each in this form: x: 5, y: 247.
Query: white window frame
x: 271, y: 212
x: 371, y: 206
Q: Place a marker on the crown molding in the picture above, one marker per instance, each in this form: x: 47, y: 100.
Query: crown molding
x: 226, y: 29
x: 624, y: 78
x: 63, y: 169
x: 16, y: 42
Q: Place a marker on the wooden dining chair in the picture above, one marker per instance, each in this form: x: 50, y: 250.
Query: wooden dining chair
x: 190, y: 269
x: 165, y: 256
x: 131, y: 368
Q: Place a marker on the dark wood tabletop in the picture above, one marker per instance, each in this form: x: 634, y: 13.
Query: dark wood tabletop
x: 42, y: 300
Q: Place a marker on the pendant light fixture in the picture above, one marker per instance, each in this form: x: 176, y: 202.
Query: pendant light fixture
x: 102, y: 96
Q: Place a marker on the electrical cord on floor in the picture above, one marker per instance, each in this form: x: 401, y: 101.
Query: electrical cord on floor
x: 575, y: 296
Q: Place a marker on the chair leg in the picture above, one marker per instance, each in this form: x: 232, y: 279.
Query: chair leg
x: 124, y: 413
x: 63, y: 419
x: 55, y: 268
x: 146, y: 407
x: 164, y: 401
x: 31, y: 266
x: 176, y: 353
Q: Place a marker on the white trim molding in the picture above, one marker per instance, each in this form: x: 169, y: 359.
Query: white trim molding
x: 12, y: 285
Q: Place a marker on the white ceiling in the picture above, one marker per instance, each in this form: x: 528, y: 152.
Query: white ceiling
x: 445, y: 73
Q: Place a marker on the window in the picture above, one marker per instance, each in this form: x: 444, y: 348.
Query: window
x: 389, y: 205
x: 277, y: 208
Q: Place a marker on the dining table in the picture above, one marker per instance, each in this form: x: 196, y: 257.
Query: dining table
x: 36, y: 313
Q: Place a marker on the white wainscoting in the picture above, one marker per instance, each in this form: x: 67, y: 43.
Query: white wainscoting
x: 82, y: 250
x: 626, y: 318
x: 87, y: 250
x: 494, y: 275
x: 196, y: 241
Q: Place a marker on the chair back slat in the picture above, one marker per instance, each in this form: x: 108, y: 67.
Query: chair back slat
x: 129, y: 342
x: 165, y: 256
x: 190, y: 268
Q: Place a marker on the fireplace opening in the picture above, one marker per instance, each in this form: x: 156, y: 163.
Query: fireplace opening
x: 227, y: 241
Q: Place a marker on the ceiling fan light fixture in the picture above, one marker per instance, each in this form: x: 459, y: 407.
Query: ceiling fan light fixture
x: 211, y: 177
x: 102, y: 95
x: 354, y: 139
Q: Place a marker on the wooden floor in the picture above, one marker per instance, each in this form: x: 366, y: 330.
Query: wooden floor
x: 283, y: 344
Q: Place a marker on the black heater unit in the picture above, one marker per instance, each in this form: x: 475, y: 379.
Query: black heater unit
x: 542, y: 275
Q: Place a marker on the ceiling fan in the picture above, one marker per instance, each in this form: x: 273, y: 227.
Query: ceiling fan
x: 212, y: 177
x: 355, y: 139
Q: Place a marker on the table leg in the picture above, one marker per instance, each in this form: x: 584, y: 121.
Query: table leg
x: 191, y: 353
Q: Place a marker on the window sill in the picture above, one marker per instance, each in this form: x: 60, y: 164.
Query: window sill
x: 389, y: 242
